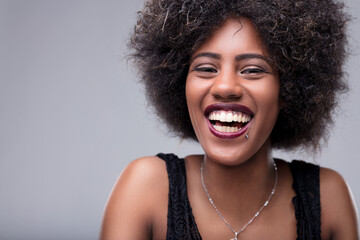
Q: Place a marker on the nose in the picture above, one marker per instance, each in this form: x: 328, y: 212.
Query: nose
x: 227, y: 86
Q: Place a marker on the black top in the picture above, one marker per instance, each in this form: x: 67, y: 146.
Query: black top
x: 181, y: 222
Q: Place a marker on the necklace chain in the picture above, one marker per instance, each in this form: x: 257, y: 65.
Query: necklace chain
x: 256, y: 214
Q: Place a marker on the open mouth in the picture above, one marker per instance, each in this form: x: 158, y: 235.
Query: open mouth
x: 228, y: 121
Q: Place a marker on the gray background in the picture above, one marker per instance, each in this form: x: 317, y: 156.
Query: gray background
x: 72, y: 115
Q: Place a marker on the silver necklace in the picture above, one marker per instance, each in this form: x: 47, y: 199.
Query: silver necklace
x: 256, y: 214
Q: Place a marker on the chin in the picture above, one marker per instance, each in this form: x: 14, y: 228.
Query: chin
x: 230, y: 154
x: 226, y: 156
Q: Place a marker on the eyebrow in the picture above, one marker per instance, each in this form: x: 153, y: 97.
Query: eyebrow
x: 207, y: 54
x: 250, y: 55
x: 237, y: 57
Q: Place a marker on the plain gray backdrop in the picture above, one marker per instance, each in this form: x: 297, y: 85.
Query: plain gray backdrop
x: 72, y: 115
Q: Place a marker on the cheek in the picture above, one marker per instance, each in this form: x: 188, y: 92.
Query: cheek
x: 270, y: 100
x: 192, y: 103
x: 268, y: 93
x: 193, y: 92
x: 190, y: 94
x: 267, y: 99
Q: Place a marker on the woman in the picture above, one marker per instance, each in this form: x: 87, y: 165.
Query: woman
x: 241, y: 78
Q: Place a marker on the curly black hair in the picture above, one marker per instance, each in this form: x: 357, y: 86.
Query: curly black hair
x: 305, y: 39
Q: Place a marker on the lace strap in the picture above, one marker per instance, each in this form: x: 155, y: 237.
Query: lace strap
x: 307, y: 200
x: 181, y: 222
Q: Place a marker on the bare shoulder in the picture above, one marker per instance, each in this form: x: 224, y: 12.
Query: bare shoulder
x: 144, y: 170
x: 133, y: 203
x: 338, y: 211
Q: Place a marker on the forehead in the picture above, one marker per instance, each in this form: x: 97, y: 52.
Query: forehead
x: 235, y: 36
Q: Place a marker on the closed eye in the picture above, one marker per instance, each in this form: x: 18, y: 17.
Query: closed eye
x: 205, y: 69
x: 252, y: 71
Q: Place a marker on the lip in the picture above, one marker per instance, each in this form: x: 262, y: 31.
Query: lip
x: 228, y: 107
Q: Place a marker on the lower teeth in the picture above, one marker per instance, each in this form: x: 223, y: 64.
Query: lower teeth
x: 226, y: 128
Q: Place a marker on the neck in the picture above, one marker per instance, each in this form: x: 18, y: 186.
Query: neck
x: 245, y: 184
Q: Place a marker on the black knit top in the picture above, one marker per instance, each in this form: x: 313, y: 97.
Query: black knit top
x: 181, y: 222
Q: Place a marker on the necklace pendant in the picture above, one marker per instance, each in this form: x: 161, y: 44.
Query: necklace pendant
x: 235, y: 238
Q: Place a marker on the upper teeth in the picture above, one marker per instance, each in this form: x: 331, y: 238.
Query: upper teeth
x: 229, y: 116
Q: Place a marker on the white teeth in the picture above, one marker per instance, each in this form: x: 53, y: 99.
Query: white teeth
x: 222, y: 117
x: 243, y: 118
x: 229, y: 116
x: 235, y: 117
x: 226, y: 129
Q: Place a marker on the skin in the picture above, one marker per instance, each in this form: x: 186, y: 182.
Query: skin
x: 238, y: 172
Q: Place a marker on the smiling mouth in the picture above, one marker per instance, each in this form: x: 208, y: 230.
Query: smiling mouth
x: 228, y: 121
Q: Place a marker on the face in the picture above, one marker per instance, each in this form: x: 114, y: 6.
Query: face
x: 232, y: 92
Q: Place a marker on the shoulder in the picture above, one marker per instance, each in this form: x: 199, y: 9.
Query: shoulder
x: 136, y: 199
x: 338, y: 212
x: 143, y: 170
x: 140, y: 176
